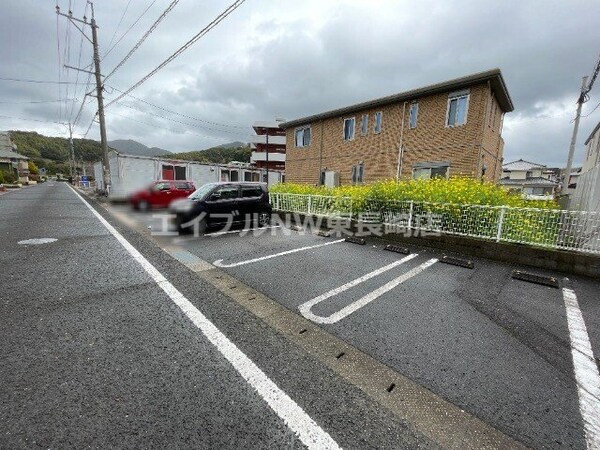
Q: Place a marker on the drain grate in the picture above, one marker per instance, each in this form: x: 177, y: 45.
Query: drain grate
x: 397, y: 249
x: 356, y: 240
x: 534, y: 278
x: 466, y: 263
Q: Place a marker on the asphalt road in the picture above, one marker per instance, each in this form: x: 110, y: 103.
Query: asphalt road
x: 377, y: 349
x: 497, y: 347
x: 94, y: 353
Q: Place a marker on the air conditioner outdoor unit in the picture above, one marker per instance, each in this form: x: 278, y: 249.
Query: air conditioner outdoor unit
x: 332, y: 179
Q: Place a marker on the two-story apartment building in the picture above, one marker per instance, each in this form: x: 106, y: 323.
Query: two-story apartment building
x: 446, y: 129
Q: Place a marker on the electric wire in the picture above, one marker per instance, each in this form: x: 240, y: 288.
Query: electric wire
x: 143, y: 38
x: 183, y: 48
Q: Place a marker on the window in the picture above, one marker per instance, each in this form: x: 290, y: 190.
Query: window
x: 225, y: 193
x: 162, y: 186
x: 364, y: 124
x: 377, y: 126
x: 180, y: 173
x: 432, y: 169
x: 184, y: 186
x: 414, y: 113
x: 457, y: 108
x: 349, y: 129
x: 358, y: 172
x: 251, y: 191
x: 303, y: 137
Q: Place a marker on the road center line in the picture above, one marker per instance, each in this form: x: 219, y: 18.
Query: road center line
x: 219, y: 262
x: 311, y: 434
x: 585, y: 368
x: 305, y: 308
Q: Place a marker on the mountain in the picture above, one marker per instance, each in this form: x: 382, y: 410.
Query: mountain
x: 219, y: 155
x: 131, y: 147
x: 235, y: 144
x: 54, y: 153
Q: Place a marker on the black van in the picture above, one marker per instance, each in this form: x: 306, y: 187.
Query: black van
x: 222, y: 203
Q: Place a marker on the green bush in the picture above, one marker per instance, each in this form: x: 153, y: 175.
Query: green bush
x: 461, y: 191
x: 7, y: 177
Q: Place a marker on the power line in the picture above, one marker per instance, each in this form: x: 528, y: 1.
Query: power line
x: 164, y: 128
x: 38, y: 101
x: 181, y: 114
x: 129, y: 29
x: 143, y: 38
x: 233, y: 133
x: 183, y: 48
x: 33, y: 120
x: 119, y: 24
x: 39, y: 81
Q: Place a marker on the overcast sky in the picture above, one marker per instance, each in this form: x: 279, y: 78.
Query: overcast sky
x: 294, y: 58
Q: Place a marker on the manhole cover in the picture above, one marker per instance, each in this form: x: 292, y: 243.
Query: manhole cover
x: 37, y: 241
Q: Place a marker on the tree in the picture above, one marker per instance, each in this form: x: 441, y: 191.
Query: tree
x: 33, y: 169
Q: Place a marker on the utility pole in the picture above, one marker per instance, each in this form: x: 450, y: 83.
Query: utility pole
x: 99, y: 88
x: 72, y: 151
x: 580, y: 103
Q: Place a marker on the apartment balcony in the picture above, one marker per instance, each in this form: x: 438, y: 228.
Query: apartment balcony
x: 262, y: 139
x: 262, y: 156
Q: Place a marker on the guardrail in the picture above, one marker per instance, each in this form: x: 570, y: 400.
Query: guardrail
x: 558, y: 229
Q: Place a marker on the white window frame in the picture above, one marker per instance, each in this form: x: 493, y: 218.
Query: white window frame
x: 380, y: 115
x: 413, y: 107
x: 303, y: 129
x: 347, y: 119
x: 414, y: 169
x: 364, y: 125
x: 457, y: 96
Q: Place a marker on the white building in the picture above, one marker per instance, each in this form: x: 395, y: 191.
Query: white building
x: 533, y: 180
x: 269, y: 138
x: 130, y: 173
x: 587, y: 193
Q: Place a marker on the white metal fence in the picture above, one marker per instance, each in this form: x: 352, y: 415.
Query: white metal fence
x: 559, y: 229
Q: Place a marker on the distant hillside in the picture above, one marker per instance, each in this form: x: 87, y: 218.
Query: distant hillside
x: 236, y: 144
x: 53, y: 153
x: 218, y: 155
x: 131, y: 147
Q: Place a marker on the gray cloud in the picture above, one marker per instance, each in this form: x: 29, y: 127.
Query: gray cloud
x: 289, y: 59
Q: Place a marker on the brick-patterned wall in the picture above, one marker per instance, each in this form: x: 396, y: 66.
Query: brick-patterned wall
x: 431, y: 140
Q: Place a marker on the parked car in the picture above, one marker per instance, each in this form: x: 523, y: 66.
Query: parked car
x: 160, y: 194
x: 222, y: 203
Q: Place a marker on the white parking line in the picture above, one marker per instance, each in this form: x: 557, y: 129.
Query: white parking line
x: 311, y: 434
x: 585, y: 368
x: 219, y: 262
x: 244, y: 231
x: 305, y: 308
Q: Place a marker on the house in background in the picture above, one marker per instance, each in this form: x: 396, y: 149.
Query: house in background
x: 269, y: 138
x: 10, y: 160
x: 534, y: 181
x: 447, y: 129
x: 587, y: 192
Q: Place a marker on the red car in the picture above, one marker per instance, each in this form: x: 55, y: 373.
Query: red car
x: 161, y: 193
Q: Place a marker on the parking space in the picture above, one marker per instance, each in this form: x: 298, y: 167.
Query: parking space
x: 497, y: 347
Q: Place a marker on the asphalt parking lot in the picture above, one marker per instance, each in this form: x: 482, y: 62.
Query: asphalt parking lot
x: 497, y: 347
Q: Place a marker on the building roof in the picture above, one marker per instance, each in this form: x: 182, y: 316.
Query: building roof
x: 596, y: 128
x: 521, y: 164
x: 494, y: 76
x: 533, y: 181
x: 267, y: 124
x: 7, y: 148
